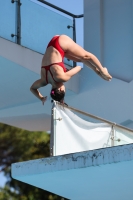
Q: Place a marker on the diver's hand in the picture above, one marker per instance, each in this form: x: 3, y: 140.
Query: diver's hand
x: 43, y: 99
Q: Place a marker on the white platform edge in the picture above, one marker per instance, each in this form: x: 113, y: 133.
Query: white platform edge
x: 73, y: 161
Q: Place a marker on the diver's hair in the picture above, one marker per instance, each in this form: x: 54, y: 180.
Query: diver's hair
x: 57, y: 95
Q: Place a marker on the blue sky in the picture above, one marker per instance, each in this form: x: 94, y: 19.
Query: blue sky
x: 2, y: 179
x: 75, y: 7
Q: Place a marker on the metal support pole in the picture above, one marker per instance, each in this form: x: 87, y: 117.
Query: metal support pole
x: 74, y: 37
x: 18, y: 22
x: 74, y: 30
x: 53, y: 129
x: 52, y: 132
x: 112, y: 137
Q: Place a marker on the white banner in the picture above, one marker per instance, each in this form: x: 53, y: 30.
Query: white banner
x: 73, y: 134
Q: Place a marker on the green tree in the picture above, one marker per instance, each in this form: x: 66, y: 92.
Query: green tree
x: 18, y: 145
x: 7, y: 194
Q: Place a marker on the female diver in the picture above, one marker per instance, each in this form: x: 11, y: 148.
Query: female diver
x: 54, y: 72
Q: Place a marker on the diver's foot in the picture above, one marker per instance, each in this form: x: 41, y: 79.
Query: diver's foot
x: 99, y: 74
x: 105, y: 75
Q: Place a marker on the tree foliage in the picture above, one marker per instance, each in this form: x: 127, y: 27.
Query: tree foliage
x: 18, y: 145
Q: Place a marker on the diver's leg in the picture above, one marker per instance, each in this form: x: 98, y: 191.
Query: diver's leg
x: 73, y: 49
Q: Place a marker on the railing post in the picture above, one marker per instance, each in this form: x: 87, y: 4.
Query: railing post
x: 112, y: 136
x: 74, y: 37
x: 52, y: 135
x: 18, y: 22
x: 52, y: 132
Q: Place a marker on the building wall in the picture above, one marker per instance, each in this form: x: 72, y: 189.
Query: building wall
x: 108, y: 33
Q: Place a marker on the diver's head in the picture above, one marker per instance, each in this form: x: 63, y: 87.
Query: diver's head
x: 58, y: 93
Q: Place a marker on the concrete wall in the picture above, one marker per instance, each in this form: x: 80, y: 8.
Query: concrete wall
x: 108, y: 33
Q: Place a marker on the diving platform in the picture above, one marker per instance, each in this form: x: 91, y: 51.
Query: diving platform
x: 88, y: 159
x: 97, y: 174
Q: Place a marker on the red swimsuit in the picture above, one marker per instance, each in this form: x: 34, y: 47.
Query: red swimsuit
x: 55, y: 43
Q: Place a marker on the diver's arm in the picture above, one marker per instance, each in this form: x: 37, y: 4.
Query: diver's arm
x: 64, y: 77
x: 34, y: 89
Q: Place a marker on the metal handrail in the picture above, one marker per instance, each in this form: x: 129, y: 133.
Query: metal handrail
x: 95, y: 117
x: 60, y: 9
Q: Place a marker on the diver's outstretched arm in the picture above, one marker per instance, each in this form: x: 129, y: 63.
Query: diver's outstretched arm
x: 34, y: 89
x: 64, y: 77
